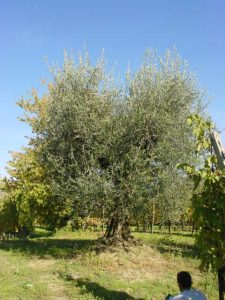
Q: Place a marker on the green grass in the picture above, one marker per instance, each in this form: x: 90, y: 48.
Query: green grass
x: 61, y: 266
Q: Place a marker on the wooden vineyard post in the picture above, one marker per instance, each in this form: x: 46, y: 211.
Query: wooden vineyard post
x: 220, y: 154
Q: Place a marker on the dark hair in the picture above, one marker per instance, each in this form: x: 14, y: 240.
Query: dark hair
x: 184, y: 279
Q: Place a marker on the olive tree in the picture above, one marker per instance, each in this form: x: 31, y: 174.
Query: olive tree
x: 107, y: 146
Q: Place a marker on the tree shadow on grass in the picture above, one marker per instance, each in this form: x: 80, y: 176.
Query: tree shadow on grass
x: 41, y: 234
x: 103, y: 293
x: 43, y: 248
x: 183, y: 234
x: 176, y: 248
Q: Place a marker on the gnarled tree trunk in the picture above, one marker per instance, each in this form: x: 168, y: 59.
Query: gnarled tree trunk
x: 118, y: 228
x: 117, y: 234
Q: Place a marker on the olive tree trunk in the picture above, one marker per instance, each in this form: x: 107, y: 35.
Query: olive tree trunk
x: 118, y: 228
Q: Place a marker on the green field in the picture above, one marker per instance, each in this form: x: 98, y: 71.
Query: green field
x: 61, y: 266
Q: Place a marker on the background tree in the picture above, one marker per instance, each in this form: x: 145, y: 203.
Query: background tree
x: 29, y: 190
x: 208, y: 201
x: 29, y: 187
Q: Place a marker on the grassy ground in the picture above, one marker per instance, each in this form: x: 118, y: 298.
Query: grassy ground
x: 60, y: 266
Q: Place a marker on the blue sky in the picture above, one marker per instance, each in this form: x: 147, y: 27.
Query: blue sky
x: 32, y: 30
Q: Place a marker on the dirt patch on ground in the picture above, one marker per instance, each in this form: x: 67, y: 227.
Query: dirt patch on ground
x: 138, y: 264
x: 57, y: 290
x: 41, y: 263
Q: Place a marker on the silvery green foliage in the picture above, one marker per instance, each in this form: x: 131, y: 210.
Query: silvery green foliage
x: 162, y: 94
x: 116, y: 147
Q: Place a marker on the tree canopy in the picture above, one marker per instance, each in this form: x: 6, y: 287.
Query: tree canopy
x: 100, y: 147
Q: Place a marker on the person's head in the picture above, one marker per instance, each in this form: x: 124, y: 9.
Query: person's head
x: 184, y: 280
